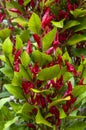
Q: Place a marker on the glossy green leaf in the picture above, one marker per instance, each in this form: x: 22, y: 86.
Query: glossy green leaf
x: 46, y: 92
x: 26, y: 2
x: 14, y: 90
x: 25, y: 59
x: 70, y: 24
x: 26, y: 73
x: 78, y: 12
x: 2, y: 57
x: 41, y: 58
x: 77, y: 126
x: 48, y: 2
x: 4, y: 33
x: 9, y: 123
x: 66, y: 57
x: 25, y: 35
x: 5, y: 70
x: 35, y: 23
x: 79, y: 90
x: 7, y: 46
x: 67, y: 76
x: 19, y: 43
x: 55, y: 102
x: 41, y: 120
x: 49, y: 73
x: 62, y: 113
x: 76, y: 39
x: 3, y: 101
x: 21, y: 21
x: 17, y: 79
x: 48, y: 39
x: 58, y: 24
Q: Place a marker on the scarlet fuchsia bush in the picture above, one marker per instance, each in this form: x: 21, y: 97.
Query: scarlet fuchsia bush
x: 43, y: 61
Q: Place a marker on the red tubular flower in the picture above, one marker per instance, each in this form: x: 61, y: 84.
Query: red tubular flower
x: 30, y: 125
x: 38, y: 40
x: 34, y: 69
x: 40, y: 100
x: 46, y: 19
x: 21, y: 2
x: 54, y: 110
x: 63, y: 36
x: 2, y: 16
x: 63, y: 14
x: 50, y: 51
x: 15, y: 10
x: 32, y: 3
x: 17, y: 60
x: 59, y: 83
x: 60, y: 59
x: 26, y: 86
x: 70, y: 68
x: 29, y: 47
x: 81, y: 81
x: 56, y: 41
x: 69, y: 90
x: 69, y: 6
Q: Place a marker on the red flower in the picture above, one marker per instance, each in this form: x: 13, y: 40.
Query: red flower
x: 21, y: 2
x: 17, y: 60
x: 29, y: 47
x: 54, y: 110
x: 63, y: 36
x: 2, y: 16
x: 56, y: 41
x: 15, y: 10
x: 50, y: 51
x: 63, y: 14
x: 30, y: 125
x: 38, y: 40
x: 59, y: 83
x: 26, y: 86
x: 34, y: 69
x: 46, y: 19
x: 81, y: 81
x: 69, y: 90
x: 70, y: 68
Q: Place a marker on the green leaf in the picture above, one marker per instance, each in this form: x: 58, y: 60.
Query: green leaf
x: 19, y: 43
x: 77, y: 126
x: 48, y: 2
x: 9, y: 123
x: 25, y: 35
x: 48, y: 73
x: 66, y: 57
x: 67, y: 76
x: 4, y: 33
x: 7, y: 46
x: 17, y: 79
x: 47, y: 91
x: 78, y: 51
x: 21, y: 21
x: 78, y: 12
x: 41, y: 58
x: 26, y: 2
x: 48, y: 39
x: 79, y: 90
x: 14, y: 90
x: 3, y: 101
x: 6, y: 69
x: 25, y: 59
x: 76, y: 39
x: 26, y: 73
x: 82, y: 26
x: 2, y: 57
x: 55, y: 102
x: 58, y: 24
x: 35, y: 24
x: 62, y: 113
x: 70, y: 24
x: 41, y: 120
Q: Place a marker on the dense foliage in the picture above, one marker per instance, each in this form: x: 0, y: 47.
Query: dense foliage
x: 43, y: 68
